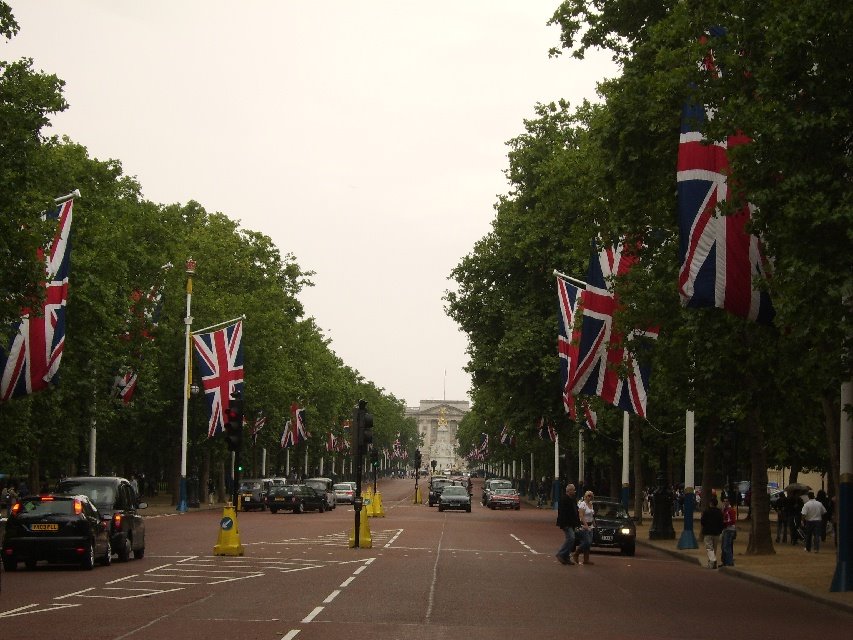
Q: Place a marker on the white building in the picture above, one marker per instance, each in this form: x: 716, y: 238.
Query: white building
x: 438, y: 422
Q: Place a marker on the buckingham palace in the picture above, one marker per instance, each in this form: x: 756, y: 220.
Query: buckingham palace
x: 438, y: 421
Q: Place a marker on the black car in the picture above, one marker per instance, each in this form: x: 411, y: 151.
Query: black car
x: 454, y: 497
x: 119, y: 505
x: 297, y: 498
x: 436, y: 486
x: 58, y: 529
x: 253, y: 494
x: 613, y: 526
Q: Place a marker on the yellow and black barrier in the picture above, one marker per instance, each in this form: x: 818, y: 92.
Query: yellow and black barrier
x: 228, y: 543
x: 376, y: 504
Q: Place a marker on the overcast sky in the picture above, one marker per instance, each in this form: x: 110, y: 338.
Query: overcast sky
x: 368, y: 138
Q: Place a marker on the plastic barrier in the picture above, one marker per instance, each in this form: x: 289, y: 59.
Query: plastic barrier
x: 365, y: 540
x: 228, y: 543
x: 376, y: 504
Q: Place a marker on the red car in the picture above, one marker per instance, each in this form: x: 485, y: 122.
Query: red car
x: 503, y: 499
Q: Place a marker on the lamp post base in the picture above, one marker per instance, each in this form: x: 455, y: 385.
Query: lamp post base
x: 182, y: 496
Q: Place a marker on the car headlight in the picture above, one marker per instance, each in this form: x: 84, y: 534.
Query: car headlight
x: 626, y: 531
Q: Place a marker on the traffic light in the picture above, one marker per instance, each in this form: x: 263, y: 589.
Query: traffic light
x: 234, y: 422
x: 363, y: 425
x: 367, y: 429
x: 417, y: 458
x: 374, y: 459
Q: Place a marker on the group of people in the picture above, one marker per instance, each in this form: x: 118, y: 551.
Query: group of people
x: 719, y: 527
x: 575, y: 516
x: 789, y: 518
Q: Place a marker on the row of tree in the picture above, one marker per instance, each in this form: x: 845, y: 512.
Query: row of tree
x: 606, y: 172
x: 120, y: 242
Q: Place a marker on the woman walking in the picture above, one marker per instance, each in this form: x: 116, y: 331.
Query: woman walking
x: 586, y: 514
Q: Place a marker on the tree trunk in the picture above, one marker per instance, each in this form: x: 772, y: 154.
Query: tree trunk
x: 637, y: 459
x: 708, y: 461
x: 833, y: 430
x: 760, y: 538
x: 205, y: 476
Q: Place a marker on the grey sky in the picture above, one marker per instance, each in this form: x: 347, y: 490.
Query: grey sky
x: 367, y: 138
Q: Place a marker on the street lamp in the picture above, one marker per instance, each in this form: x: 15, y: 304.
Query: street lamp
x: 188, y: 320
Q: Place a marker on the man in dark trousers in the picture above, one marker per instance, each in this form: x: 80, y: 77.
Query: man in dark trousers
x: 568, y: 520
x: 712, y: 527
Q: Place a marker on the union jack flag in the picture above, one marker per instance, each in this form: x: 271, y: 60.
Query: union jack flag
x: 260, y: 423
x: 507, y: 438
x: 567, y: 341
x: 332, y: 442
x: 220, y: 359
x: 590, y: 416
x: 32, y: 360
x: 547, y: 432
x: 124, y: 386
x: 294, y: 429
x: 602, y: 351
x: 719, y: 259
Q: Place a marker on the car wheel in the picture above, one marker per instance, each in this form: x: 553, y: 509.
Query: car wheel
x: 124, y: 549
x: 518, y: 507
x: 107, y: 558
x: 468, y: 509
x: 322, y: 507
x: 30, y: 564
x: 88, y: 560
x: 440, y: 508
x: 273, y: 510
x: 139, y: 553
x: 299, y: 508
x: 629, y: 550
x: 10, y: 564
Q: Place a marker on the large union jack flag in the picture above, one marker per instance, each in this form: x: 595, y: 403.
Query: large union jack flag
x: 567, y: 341
x: 220, y: 359
x: 32, y: 360
x: 719, y: 259
x: 602, y: 352
x: 294, y: 430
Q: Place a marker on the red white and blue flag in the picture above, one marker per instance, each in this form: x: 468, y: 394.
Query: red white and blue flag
x: 260, y: 423
x: 567, y: 341
x: 294, y: 430
x: 602, y: 352
x: 220, y: 360
x: 719, y: 258
x: 32, y: 360
x: 547, y: 432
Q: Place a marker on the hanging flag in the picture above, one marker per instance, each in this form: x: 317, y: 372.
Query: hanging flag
x: 220, y: 360
x: 507, y: 438
x: 567, y: 341
x: 124, y: 386
x: 294, y: 431
x: 590, y: 416
x: 331, y: 442
x: 719, y: 258
x: 32, y: 360
x: 602, y: 351
x: 260, y: 422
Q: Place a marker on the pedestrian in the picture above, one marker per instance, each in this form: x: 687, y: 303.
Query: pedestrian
x: 11, y: 498
x: 586, y: 515
x: 135, y: 484
x: 23, y: 489
x: 729, y: 533
x: 568, y: 521
x: 543, y: 493
x: 812, y: 515
x: 712, y: 527
x: 211, y: 489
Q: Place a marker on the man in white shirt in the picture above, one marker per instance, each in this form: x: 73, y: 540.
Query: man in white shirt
x: 812, y: 515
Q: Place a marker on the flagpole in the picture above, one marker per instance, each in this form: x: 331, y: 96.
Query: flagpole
x: 188, y: 320
x: 218, y: 324
x: 626, y: 487
x: 67, y: 197
x: 580, y: 283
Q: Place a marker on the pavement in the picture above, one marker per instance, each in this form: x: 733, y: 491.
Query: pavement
x: 789, y: 569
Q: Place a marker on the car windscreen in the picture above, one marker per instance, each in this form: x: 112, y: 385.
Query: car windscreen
x: 318, y: 485
x: 505, y: 492
x: 103, y: 494
x: 454, y: 491
x: 609, y: 510
x: 250, y: 486
x: 501, y: 484
x: 342, y: 487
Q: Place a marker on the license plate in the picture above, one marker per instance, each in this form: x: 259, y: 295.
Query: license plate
x: 607, y: 538
x: 45, y: 527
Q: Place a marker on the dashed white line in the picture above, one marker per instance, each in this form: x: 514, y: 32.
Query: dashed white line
x: 346, y: 582
x: 391, y: 541
x: 523, y: 544
x: 290, y: 635
x: 332, y: 596
x: 312, y: 615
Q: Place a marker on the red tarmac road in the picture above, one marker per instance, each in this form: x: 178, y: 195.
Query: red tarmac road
x: 455, y: 575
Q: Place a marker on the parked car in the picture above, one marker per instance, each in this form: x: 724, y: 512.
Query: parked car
x: 454, y: 497
x: 490, y: 485
x: 56, y: 528
x: 503, y: 498
x: 253, y: 493
x: 295, y: 497
x: 118, y: 504
x: 613, y: 527
x: 324, y: 486
x: 344, y: 492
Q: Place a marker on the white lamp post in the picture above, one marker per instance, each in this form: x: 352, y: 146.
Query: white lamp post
x: 182, y: 502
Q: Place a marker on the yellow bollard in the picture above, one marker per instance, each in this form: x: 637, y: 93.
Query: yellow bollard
x: 378, y: 511
x: 229, y: 534
x: 365, y: 540
x: 417, y: 499
x: 369, y: 505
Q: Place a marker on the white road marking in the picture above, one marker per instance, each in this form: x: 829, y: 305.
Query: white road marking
x: 332, y: 596
x: 28, y: 609
x: 523, y: 544
x: 312, y: 615
x: 392, y: 540
x: 346, y: 582
x: 434, y: 574
x: 290, y: 635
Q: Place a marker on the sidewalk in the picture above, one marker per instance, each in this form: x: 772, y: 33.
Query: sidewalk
x: 791, y: 569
